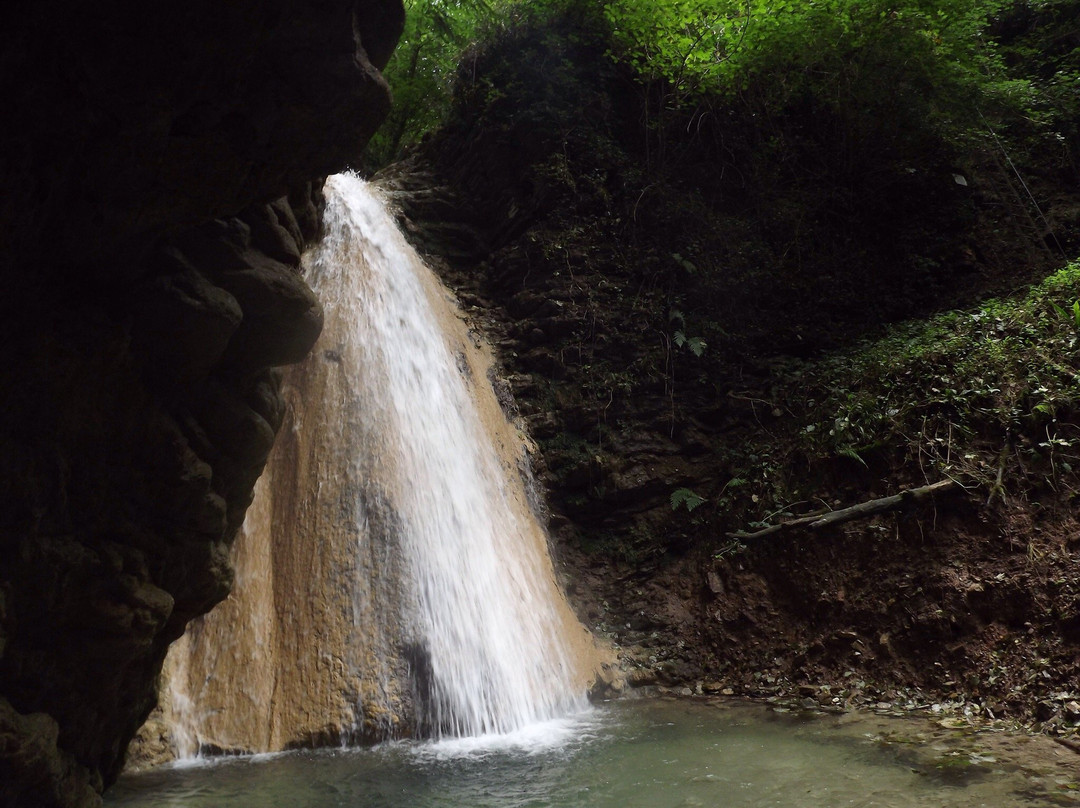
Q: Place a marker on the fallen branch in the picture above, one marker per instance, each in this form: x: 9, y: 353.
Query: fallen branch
x: 861, y: 511
x: 1068, y: 743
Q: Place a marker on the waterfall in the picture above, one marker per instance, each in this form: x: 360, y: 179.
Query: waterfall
x: 392, y: 578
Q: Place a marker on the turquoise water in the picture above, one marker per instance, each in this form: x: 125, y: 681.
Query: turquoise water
x: 655, y: 754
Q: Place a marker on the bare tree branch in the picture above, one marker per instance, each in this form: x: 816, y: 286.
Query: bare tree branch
x: 861, y: 511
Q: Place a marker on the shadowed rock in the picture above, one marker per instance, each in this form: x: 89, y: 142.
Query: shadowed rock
x: 164, y: 167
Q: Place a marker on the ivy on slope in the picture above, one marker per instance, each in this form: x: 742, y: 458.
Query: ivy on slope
x: 989, y: 397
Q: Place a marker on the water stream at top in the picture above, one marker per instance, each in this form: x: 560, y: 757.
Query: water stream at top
x: 392, y: 578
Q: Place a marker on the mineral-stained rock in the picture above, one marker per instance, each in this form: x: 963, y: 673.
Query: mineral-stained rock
x: 163, y: 168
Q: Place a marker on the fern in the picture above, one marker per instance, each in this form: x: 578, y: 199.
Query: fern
x: 850, y: 453
x: 684, y: 496
x: 696, y: 345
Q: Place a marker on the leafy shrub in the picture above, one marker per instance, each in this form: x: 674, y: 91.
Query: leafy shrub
x: 964, y: 392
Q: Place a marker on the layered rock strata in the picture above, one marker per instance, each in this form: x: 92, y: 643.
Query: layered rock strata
x: 163, y: 168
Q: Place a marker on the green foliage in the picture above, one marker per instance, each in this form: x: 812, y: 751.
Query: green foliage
x: 1072, y: 315
x: 696, y: 345
x: 924, y: 61
x: 421, y: 71
x: 684, y: 497
x: 989, y: 397
x: 701, y: 47
x: 1038, y: 42
x: 964, y: 392
x: 433, y: 54
x: 685, y: 42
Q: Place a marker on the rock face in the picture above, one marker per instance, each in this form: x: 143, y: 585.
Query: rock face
x: 164, y: 169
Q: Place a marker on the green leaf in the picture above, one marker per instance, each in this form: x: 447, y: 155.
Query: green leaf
x: 848, y: 452
x: 684, y: 496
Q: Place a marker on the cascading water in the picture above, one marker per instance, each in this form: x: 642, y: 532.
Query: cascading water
x: 391, y: 542
x: 482, y: 628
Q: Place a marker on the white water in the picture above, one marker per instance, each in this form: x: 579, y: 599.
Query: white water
x: 391, y: 578
x: 482, y: 623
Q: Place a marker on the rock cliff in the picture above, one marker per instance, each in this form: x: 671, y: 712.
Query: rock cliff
x: 162, y: 168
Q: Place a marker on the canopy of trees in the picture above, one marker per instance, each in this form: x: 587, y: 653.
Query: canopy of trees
x: 912, y: 66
